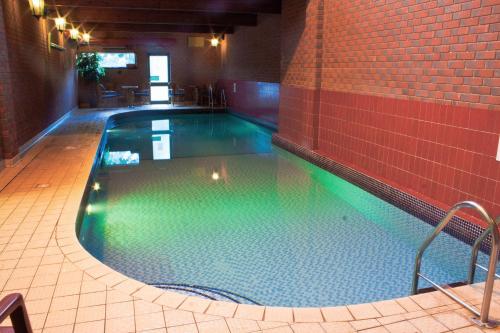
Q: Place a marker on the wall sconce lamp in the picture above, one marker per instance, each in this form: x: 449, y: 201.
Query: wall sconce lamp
x: 214, y: 41
x: 37, y: 8
x: 86, y: 38
x: 74, y: 34
x: 60, y: 23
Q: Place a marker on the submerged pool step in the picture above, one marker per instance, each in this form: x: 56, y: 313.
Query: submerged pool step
x: 211, y: 293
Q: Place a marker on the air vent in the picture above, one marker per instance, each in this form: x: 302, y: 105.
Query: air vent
x: 196, y: 42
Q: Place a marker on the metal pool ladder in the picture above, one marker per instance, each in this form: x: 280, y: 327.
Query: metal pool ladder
x: 491, y: 270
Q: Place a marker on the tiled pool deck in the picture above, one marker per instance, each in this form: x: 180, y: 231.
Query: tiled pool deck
x: 67, y: 290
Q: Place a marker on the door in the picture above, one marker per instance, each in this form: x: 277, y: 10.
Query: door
x: 159, y: 77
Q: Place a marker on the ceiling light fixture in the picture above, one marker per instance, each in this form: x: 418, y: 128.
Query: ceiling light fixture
x: 214, y: 41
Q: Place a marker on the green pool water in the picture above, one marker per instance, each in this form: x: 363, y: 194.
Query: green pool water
x: 208, y: 201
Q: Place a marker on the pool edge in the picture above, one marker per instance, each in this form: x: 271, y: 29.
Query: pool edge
x: 69, y: 244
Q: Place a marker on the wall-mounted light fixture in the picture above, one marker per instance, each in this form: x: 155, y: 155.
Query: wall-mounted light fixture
x: 60, y: 23
x: 37, y: 8
x: 214, y: 41
x: 74, y: 34
x: 85, y: 38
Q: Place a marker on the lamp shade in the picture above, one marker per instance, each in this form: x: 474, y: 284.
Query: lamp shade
x: 214, y: 41
x: 60, y: 23
x: 74, y: 34
x: 37, y: 7
x: 86, y: 38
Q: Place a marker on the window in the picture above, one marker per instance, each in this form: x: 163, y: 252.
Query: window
x: 117, y: 60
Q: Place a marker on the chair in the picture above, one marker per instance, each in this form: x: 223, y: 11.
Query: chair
x: 176, y: 93
x: 13, y: 306
x: 144, y: 94
x: 106, y: 95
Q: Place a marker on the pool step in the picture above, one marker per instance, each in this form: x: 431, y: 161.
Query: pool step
x: 214, y: 294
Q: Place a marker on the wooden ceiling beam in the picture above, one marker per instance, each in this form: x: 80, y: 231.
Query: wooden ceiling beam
x: 141, y: 16
x: 147, y: 28
x: 214, y: 6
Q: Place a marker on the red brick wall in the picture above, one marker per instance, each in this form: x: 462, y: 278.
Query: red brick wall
x: 405, y: 91
x: 39, y: 82
x: 253, y: 53
x: 251, y: 60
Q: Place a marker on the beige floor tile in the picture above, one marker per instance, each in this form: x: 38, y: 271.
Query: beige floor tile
x: 195, y: 304
x: 213, y: 326
x: 337, y: 313
x: 90, y: 299
x: 380, y: 329
x: 307, y: 328
x: 64, y: 303
x: 401, y: 327
x: 178, y: 318
x: 224, y: 309
x: 452, y: 320
x: 171, y: 299
x: 284, y: 329
x: 149, y: 321
x: 253, y: 312
x: 202, y: 317
x: 428, y: 325
x: 143, y: 307
x: 120, y: 325
x: 363, y: 311
x: 364, y: 324
x: 183, y: 329
x: 117, y: 310
x: 242, y: 325
x: 60, y: 318
x: 38, y: 306
x: 90, y: 327
x: 307, y: 315
x: 338, y: 327
x: 59, y: 329
x: 388, y: 308
x: 278, y: 314
x: 91, y: 313
x: 116, y: 296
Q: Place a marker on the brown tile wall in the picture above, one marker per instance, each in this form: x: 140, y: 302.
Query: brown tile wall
x: 40, y: 83
x: 405, y: 91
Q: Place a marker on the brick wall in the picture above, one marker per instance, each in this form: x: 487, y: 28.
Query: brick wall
x: 189, y: 66
x: 405, y: 91
x: 38, y: 83
x: 251, y: 61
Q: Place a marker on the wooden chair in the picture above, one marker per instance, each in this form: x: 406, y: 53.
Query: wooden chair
x: 13, y: 306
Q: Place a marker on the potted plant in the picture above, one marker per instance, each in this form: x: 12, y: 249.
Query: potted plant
x: 90, y: 73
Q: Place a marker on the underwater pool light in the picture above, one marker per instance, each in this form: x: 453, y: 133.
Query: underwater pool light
x: 96, y: 187
x: 215, y: 175
x: 88, y: 209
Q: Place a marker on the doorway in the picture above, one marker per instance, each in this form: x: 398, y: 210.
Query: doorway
x: 159, y: 78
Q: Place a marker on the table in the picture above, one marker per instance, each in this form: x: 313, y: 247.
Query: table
x: 130, y: 95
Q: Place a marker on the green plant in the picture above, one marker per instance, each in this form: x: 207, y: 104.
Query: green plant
x: 89, y: 67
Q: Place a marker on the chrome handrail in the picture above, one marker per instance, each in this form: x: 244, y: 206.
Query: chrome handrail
x: 488, y: 288
x: 475, y: 252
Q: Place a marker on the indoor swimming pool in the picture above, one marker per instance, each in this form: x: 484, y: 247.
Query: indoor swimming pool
x: 205, y: 204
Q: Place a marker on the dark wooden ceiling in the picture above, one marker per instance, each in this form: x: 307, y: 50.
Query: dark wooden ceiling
x: 153, y: 17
